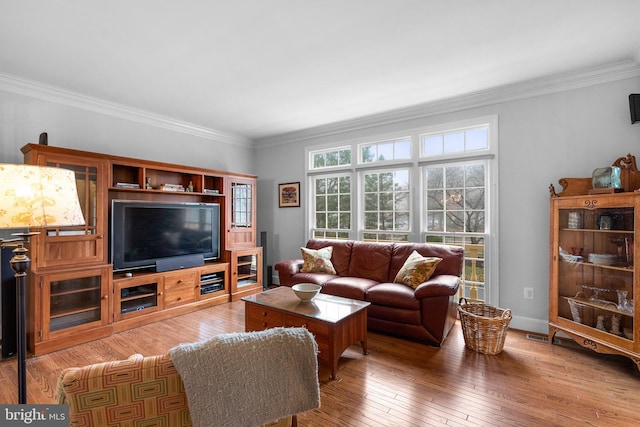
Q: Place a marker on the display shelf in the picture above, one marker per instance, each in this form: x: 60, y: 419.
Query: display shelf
x: 594, y: 271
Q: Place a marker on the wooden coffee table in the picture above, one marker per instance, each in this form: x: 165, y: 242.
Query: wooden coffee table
x: 335, y: 322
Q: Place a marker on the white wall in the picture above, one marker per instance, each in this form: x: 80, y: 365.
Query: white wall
x: 541, y: 139
x: 23, y: 118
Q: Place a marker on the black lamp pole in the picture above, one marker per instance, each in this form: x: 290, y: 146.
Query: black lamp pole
x: 20, y: 263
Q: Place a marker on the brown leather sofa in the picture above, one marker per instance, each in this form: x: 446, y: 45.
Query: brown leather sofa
x: 366, y: 271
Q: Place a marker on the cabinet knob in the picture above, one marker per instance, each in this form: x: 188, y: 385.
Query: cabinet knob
x: 105, y: 296
x: 160, y: 294
x: 264, y: 324
x: 264, y: 313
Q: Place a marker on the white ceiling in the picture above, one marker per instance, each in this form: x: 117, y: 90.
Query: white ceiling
x: 257, y: 68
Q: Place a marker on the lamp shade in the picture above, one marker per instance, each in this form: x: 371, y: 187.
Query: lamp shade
x: 38, y: 196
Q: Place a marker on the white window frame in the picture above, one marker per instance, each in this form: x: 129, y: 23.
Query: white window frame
x: 417, y: 203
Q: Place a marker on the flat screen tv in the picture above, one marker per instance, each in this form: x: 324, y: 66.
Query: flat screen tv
x: 144, y: 233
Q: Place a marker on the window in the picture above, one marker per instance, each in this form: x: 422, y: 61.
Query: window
x: 387, y: 213
x: 385, y: 150
x: 456, y: 213
x: 331, y: 158
x: 332, y: 205
x: 434, y: 185
x: 459, y: 141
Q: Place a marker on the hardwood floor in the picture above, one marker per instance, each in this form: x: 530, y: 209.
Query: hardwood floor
x: 401, y: 383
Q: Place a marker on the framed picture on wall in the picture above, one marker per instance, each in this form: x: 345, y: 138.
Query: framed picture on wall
x: 289, y: 195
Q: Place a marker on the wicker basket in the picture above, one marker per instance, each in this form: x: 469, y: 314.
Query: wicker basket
x: 484, y: 327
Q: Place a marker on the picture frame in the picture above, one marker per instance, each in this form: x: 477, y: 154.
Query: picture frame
x: 289, y: 195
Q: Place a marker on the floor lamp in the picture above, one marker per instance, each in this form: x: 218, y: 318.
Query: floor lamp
x: 33, y: 196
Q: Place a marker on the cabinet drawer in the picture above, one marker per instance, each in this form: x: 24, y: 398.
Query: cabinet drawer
x: 179, y: 289
x: 319, y: 330
x: 259, y: 318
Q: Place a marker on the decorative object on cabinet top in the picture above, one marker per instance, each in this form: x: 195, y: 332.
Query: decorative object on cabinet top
x: 629, y: 180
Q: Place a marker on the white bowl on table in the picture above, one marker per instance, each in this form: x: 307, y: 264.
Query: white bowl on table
x: 306, y: 291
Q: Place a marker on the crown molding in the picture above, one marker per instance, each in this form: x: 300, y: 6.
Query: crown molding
x: 527, y: 89
x: 33, y: 89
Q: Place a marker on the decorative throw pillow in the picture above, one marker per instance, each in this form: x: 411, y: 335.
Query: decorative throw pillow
x: 317, y: 261
x: 416, y: 269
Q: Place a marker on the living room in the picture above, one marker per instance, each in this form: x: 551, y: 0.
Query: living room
x: 553, y: 122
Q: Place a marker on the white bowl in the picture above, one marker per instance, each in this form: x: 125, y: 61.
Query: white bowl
x: 306, y: 291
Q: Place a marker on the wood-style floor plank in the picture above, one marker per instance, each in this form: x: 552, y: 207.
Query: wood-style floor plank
x: 400, y: 383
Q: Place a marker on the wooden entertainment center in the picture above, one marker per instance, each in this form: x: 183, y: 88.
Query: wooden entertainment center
x: 73, y: 294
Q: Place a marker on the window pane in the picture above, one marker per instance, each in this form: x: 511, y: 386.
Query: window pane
x: 386, y: 201
x: 321, y: 203
x: 371, y: 202
x: 321, y: 220
x: 435, y: 178
x: 474, y: 175
x: 432, y: 145
x: 435, y: 221
x: 332, y: 158
x: 318, y: 160
x: 455, y: 176
x: 345, y: 202
x: 370, y: 183
x: 321, y: 186
x: 385, y: 151
x: 402, y: 149
x: 368, y: 153
x: 345, y: 157
x: 332, y: 203
x: 371, y: 221
x: 455, y: 221
x: 402, y: 221
x: 332, y: 220
x: 474, y: 198
x: 332, y: 185
x: 345, y: 184
x: 477, y: 139
x: 435, y: 200
x: 454, y: 142
x: 345, y: 221
x: 386, y: 182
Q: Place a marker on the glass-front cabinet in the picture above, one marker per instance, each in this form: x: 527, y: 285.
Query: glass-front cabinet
x: 246, y: 272
x: 241, y: 216
x: 73, y: 245
x: 74, y: 301
x: 594, y: 273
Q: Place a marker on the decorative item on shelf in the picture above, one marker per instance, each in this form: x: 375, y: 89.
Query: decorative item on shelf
x: 609, y: 221
x: 190, y: 187
x: 148, y: 185
x: 34, y: 196
x: 127, y: 185
x: 615, y: 325
x: 600, y: 323
x: 603, y: 259
x: 574, y: 220
x: 567, y: 257
x: 628, y: 241
x: 172, y: 187
x: 210, y: 191
x: 606, y: 180
x: 575, y: 308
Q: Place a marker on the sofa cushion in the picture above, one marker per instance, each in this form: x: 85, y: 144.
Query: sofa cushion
x: 317, y: 260
x: 370, y: 260
x: 341, y: 253
x: 348, y: 287
x: 416, y: 270
x: 452, y: 257
x: 393, y: 295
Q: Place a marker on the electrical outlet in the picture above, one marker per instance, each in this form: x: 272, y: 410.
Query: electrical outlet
x: 528, y: 293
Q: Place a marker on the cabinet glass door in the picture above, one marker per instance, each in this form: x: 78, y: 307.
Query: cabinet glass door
x: 241, y: 205
x: 596, y: 268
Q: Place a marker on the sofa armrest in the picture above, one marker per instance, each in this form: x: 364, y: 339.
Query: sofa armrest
x: 288, y: 268
x: 442, y: 284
